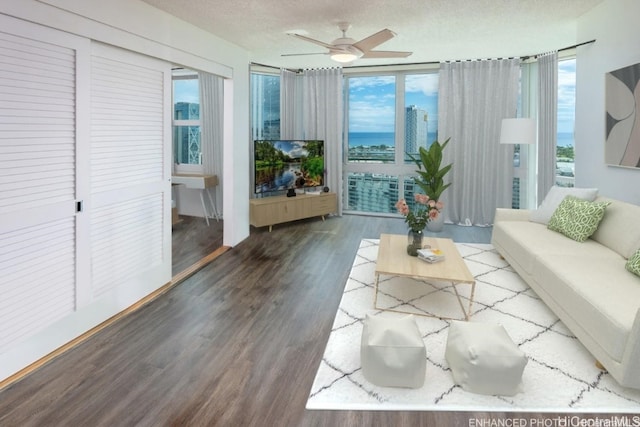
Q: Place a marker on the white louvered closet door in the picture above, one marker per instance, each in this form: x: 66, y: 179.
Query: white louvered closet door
x: 38, y: 222
x: 130, y: 164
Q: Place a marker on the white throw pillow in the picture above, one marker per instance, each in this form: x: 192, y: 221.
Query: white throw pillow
x: 555, y: 196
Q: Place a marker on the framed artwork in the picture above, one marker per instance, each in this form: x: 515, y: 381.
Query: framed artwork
x: 622, y: 104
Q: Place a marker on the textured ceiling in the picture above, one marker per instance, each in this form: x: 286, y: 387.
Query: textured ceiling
x: 435, y: 30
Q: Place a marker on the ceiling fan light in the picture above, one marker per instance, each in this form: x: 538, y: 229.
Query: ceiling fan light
x: 345, y: 53
x: 343, y: 57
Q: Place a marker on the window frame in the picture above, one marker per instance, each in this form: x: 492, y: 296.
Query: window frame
x: 192, y: 168
x: 399, y: 168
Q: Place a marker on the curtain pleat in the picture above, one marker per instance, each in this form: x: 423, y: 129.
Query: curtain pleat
x: 547, y: 122
x: 473, y: 98
x: 211, y: 123
x: 290, y: 111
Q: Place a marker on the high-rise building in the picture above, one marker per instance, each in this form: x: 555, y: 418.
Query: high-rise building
x: 415, y: 129
x: 187, y: 148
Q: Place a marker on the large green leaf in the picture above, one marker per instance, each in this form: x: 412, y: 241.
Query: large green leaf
x: 430, y: 173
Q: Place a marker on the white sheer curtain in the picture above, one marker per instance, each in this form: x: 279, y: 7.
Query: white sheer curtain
x: 211, y: 127
x: 547, y: 122
x: 322, y: 119
x: 290, y: 111
x: 473, y: 98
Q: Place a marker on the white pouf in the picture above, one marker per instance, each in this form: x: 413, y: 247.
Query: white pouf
x: 392, y: 352
x: 483, y: 359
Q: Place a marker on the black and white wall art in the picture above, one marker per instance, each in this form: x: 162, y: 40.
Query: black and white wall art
x: 622, y: 99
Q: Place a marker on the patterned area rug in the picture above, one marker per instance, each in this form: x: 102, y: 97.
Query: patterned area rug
x: 560, y: 376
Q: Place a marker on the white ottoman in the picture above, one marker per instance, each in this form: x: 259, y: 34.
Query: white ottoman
x: 392, y: 352
x: 483, y: 359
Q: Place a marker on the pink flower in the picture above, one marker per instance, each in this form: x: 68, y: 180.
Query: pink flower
x: 439, y: 205
x: 432, y: 203
x: 421, y: 198
x: 402, y: 207
x: 433, y: 214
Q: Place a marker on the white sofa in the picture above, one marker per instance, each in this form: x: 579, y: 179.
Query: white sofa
x: 585, y: 284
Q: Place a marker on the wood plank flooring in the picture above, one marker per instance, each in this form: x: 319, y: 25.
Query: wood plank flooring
x: 192, y: 239
x: 236, y: 344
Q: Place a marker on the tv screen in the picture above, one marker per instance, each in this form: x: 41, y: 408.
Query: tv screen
x: 284, y: 164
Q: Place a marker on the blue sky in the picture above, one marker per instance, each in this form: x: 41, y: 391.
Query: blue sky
x: 372, y: 99
x: 566, y: 95
x: 186, y: 91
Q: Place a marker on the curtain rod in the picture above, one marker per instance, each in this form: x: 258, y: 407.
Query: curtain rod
x: 274, y: 67
x: 523, y: 58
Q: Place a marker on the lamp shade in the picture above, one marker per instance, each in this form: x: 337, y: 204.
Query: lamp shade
x: 518, y: 131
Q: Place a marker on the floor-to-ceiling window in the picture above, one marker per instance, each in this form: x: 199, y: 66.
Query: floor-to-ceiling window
x: 565, y: 168
x: 388, y: 118
x: 265, y: 106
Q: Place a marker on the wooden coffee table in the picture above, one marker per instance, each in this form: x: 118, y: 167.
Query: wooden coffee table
x: 394, y: 261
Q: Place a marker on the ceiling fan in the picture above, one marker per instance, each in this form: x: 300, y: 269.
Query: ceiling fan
x: 346, y: 49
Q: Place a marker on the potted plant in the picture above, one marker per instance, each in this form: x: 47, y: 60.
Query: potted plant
x: 431, y: 172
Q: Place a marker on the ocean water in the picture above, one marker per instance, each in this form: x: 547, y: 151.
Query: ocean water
x: 368, y: 139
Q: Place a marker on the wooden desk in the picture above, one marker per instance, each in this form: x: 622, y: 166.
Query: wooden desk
x: 203, y: 183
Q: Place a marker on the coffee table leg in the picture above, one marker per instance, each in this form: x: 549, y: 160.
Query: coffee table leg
x: 473, y: 291
x: 455, y: 289
x: 375, y: 295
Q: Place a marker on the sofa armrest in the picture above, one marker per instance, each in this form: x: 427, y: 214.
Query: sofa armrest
x: 630, y: 369
x: 503, y: 214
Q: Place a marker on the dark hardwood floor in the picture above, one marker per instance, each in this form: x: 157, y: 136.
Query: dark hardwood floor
x: 236, y: 344
x: 192, y: 239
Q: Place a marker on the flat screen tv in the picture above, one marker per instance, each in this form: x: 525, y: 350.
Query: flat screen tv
x: 283, y: 164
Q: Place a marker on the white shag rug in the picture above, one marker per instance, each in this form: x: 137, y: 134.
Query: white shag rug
x: 560, y: 376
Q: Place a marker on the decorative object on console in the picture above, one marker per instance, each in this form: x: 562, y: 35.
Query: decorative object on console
x: 622, y: 146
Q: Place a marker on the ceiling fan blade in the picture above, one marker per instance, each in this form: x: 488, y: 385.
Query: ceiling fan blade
x: 308, y: 39
x: 385, y: 54
x: 374, y: 40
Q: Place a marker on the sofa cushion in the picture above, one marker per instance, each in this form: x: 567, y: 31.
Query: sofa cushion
x: 523, y: 241
x: 633, y: 263
x: 620, y: 227
x: 601, y: 297
x: 553, y: 199
x: 576, y: 218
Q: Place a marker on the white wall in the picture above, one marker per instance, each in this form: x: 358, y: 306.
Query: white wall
x: 614, y: 25
x: 137, y: 26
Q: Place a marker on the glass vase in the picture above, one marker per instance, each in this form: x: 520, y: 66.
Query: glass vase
x: 414, y: 241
